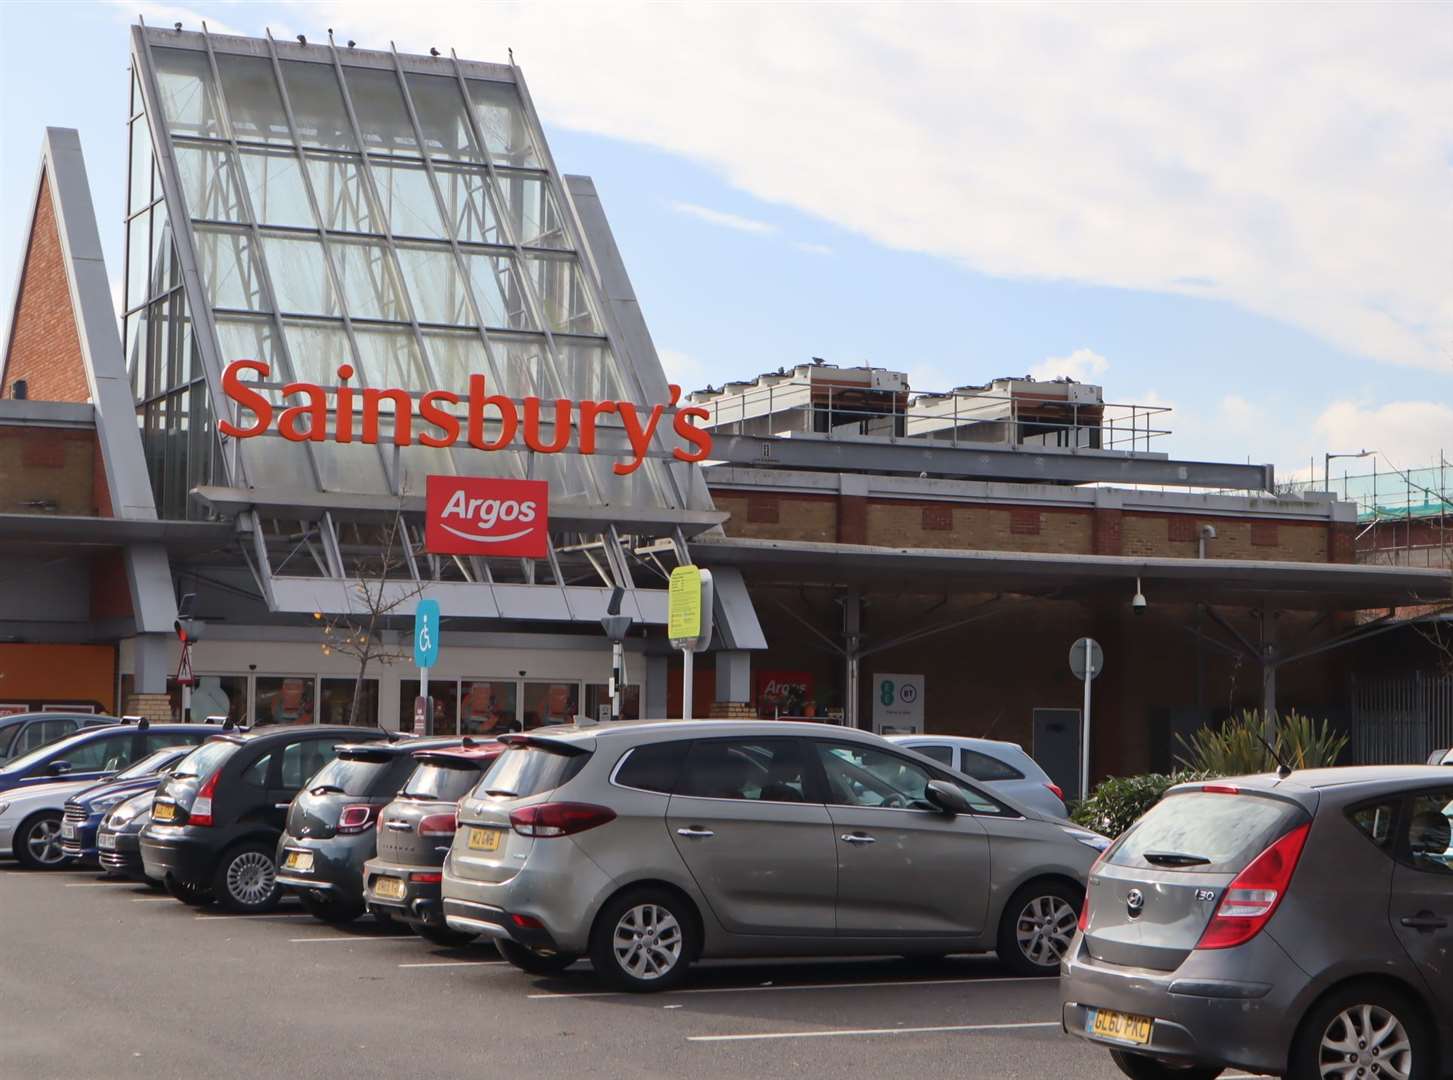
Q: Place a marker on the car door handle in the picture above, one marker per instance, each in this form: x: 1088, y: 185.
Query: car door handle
x: 1424, y: 920
x: 281, y: 805
x: 858, y: 838
x: 695, y: 831
x: 399, y: 826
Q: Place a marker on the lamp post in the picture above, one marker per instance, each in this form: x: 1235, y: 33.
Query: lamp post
x: 1327, y: 462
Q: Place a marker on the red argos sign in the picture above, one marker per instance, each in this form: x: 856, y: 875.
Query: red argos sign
x: 469, y: 515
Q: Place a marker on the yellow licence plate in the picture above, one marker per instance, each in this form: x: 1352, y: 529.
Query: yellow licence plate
x: 389, y: 887
x: 163, y: 812
x: 1122, y: 1027
x: 484, y: 839
x: 299, y: 860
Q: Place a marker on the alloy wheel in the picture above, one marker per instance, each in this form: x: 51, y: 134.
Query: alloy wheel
x: 647, y: 941
x: 44, y: 842
x: 1366, y: 1041
x: 250, y: 878
x: 1044, y: 929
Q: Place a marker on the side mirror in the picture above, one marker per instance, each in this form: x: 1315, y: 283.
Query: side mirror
x: 947, y: 798
x: 58, y: 768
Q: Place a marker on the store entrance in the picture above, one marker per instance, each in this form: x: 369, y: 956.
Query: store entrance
x: 494, y: 706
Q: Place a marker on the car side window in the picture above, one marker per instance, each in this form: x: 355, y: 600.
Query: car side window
x: 983, y: 767
x: 39, y: 732
x: 865, y: 776
x: 101, y: 755
x: 256, y: 773
x: 766, y: 770
x: 1375, y: 821
x: 160, y: 740
x: 652, y: 767
x: 302, y: 759
x: 940, y: 753
x: 1428, y: 834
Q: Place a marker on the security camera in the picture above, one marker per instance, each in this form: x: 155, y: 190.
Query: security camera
x: 1138, y: 603
x: 1208, y: 532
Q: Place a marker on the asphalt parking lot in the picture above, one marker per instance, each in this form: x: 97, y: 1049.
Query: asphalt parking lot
x: 101, y: 980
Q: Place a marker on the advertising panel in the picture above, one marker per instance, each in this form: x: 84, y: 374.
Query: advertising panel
x: 471, y: 515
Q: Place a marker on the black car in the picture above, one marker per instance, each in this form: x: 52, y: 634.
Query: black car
x: 330, y: 831
x: 415, y: 831
x: 216, y: 819
x: 20, y: 733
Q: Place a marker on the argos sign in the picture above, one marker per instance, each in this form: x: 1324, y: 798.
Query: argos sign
x: 471, y: 515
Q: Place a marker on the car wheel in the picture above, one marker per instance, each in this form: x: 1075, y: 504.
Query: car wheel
x: 186, y: 892
x: 246, y: 880
x: 1140, y: 1067
x: 37, y: 843
x: 449, y: 939
x: 1363, y: 1030
x: 531, y: 961
x: 644, y: 940
x: 1037, y: 926
x: 335, y: 910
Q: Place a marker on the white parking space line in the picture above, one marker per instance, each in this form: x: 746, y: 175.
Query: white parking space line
x: 248, y: 918
x: 100, y: 884
x: 355, y: 940
x: 831, y: 1033
x: 152, y: 900
x: 454, y: 963
x: 768, y: 987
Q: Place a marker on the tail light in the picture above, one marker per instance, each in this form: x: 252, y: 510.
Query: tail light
x: 201, y: 811
x: 1221, y: 789
x: 559, y: 818
x: 426, y: 877
x: 1059, y: 792
x: 357, y: 818
x: 527, y: 922
x: 1085, y: 904
x: 1252, y: 897
x: 439, y: 824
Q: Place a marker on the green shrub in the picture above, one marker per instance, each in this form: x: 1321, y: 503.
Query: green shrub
x: 1237, y: 747
x: 1118, y: 802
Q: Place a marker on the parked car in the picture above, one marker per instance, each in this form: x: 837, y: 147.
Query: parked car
x: 31, y: 811
x: 1003, y: 767
x: 403, y: 881
x: 85, y: 809
x: 1296, y: 925
x: 118, y: 840
x: 648, y: 846
x: 20, y: 733
x: 96, y: 753
x: 216, y: 820
x: 330, y: 830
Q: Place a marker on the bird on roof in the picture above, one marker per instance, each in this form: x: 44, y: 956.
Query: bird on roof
x: 302, y: 40
x: 433, y: 51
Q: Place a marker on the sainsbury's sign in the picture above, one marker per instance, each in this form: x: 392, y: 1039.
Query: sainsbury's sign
x: 471, y: 515
x: 437, y: 423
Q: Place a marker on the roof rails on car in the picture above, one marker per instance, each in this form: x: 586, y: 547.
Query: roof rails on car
x: 218, y: 718
x: 127, y: 718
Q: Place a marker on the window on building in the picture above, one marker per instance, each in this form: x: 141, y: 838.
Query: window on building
x: 445, y: 696
x: 548, y: 703
x: 336, y: 702
x: 597, y: 698
x: 284, y: 699
x: 488, y: 707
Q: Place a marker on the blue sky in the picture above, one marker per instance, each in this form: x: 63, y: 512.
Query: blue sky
x: 1260, y: 262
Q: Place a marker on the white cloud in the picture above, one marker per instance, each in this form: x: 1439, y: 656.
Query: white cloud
x: 723, y: 219
x: 166, y: 15
x: 1405, y: 434
x: 1295, y: 166
x: 811, y: 248
x: 1082, y: 365
x: 684, y: 370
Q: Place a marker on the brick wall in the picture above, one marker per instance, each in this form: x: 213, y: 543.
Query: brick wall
x: 799, y: 517
x: 51, y: 470
x: 1236, y: 538
x: 45, y: 350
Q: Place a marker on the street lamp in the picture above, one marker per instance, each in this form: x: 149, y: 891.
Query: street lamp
x: 1327, y: 462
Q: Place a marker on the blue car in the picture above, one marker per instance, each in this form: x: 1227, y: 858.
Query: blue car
x: 85, y: 809
x: 97, y: 753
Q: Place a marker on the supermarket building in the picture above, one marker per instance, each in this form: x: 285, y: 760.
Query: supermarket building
x: 376, y: 255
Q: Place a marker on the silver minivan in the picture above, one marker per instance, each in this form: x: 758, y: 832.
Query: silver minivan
x: 648, y: 846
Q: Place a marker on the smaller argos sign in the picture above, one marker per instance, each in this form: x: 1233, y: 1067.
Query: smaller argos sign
x: 470, y: 515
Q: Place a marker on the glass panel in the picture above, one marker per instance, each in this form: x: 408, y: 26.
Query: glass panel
x: 317, y: 105
x: 299, y: 275
x: 317, y: 349
x: 286, y: 699
x: 550, y: 703
x: 366, y: 276
x: 390, y: 358
x: 589, y: 372
x: 502, y: 121
x: 418, y: 463
x: 338, y: 702
x: 245, y: 339
x: 138, y: 246
x: 522, y: 361
x: 439, y: 107
x: 163, y: 265
x: 488, y: 707
x: 564, y: 302
x: 497, y: 290
x: 379, y: 106
x: 597, y: 703
x: 253, y: 102
x: 228, y: 271
x: 765, y: 770
x: 275, y: 185
x: 220, y: 695
x: 471, y: 210
x: 445, y: 698
x: 140, y: 165
x: 408, y: 201
x: 532, y: 211
x: 188, y: 96
x: 455, y: 357
x: 435, y: 285
x: 1430, y: 832
x: 342, y: 195
x: 208, y: 184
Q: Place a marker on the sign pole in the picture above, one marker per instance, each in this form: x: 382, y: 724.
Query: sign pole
x: 1085, y: 733
x: 687, y: 655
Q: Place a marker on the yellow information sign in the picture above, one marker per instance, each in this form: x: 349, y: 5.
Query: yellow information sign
x: 684, y: 606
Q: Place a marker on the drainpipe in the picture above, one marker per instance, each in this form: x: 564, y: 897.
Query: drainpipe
x: 1208, y: 532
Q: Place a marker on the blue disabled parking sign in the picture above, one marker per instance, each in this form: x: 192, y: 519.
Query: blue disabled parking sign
x: 426, y: 634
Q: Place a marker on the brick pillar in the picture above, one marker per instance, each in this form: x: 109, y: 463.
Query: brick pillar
x: 852, y: 509
x: 1342, y: 542
x: 1105, y: 531
x: 154, y: 707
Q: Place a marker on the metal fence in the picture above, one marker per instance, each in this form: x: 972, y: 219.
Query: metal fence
x: 1400, y: 720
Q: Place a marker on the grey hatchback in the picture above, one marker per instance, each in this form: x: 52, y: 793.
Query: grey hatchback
x: 1298, y: 925
x: 648, y: 846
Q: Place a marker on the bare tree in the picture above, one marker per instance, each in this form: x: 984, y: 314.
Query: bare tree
x: 380, y: 589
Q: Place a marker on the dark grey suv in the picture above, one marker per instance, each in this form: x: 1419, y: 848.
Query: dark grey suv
x: 1297, y: 925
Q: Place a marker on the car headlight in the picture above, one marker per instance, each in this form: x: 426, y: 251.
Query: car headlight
x: 124, y: 813
x: 1089, y: 839
x: 100, y: 806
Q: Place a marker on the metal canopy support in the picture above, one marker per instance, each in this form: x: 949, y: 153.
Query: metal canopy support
x: 1270, y: 661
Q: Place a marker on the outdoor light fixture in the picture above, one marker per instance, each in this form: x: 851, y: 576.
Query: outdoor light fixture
x: 1138, y: 603
x: 1327, y: 462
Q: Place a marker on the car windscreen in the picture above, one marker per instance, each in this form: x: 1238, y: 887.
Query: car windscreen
x: 41, y: 753
x: 149, y: 764
x: 440, y: 783
x: 522, y: 771
x: 1205, y: 832
x: 360, y: 775
x: 205, y: 759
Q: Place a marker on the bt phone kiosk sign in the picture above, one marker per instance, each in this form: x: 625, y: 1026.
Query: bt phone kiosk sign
x: 471, y: 515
